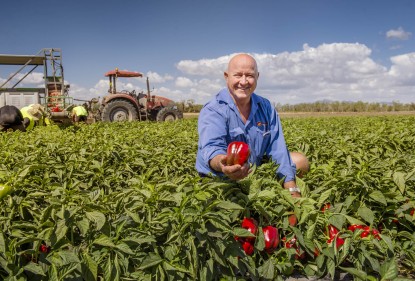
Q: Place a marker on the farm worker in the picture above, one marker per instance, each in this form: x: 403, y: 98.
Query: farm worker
x: 11, y: 119
x: 236, y: 113
x: 34, y: 115
x: 79, y: 113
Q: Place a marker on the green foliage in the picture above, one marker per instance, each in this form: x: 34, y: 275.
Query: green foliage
x: 123, y: 201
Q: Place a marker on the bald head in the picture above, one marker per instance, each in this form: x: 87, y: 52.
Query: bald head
x: 242, y: 59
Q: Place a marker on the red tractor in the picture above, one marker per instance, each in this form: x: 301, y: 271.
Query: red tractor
x: 129, y: 106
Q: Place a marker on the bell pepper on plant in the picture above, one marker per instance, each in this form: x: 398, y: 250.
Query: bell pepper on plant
x: 325, y: 207
x: 248, y: 247
x: 237, y: 153
x: 44, y: 249
x: 334, y: 234
x: 292, y: 243
x: 272, y: 238
x: 251, y: 225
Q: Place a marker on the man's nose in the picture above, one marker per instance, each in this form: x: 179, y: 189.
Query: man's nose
x: 244, y: 80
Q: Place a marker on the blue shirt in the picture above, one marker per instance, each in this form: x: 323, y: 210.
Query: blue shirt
x: 220, y: 123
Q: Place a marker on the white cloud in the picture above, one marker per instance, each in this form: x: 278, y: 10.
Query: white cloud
x: 337, y: 71
x: 399, y: 34
x: 184, y: 82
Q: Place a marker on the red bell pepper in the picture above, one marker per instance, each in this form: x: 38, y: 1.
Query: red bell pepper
x: 366, y: 230
x: 237, y: 153
x: 44, y: 249
x: 251, y: 225
x: 272, y: 238
x: 248, y: 247
x: 334, y: 233
x: 292, y: 243
x: 325, y: 207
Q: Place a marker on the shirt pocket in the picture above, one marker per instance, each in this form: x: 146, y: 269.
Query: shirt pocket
x: 237, y: 134
x: 261, y: 142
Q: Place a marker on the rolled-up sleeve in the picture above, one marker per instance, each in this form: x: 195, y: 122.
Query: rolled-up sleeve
x: 212, y: 138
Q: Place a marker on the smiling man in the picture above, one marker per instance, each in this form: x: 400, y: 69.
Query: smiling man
x: 236, y: 113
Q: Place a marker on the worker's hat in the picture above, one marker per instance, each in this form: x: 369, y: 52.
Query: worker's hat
x: 37, y: 111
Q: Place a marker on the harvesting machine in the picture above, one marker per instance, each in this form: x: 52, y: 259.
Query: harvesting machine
x: 53, y: 96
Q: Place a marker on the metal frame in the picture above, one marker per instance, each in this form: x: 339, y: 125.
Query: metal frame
x: 51, y: 59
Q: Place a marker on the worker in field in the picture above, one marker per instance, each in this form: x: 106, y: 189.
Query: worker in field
x: 236, y: 113
x: 79, y: 114
x: 11, y: 119
x: 34, y: 115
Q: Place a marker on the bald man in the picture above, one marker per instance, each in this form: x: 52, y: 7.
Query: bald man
x: 236, y: 113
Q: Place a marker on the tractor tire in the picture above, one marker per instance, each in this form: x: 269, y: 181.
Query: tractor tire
x: 169, y: 114
x: 119, y: 110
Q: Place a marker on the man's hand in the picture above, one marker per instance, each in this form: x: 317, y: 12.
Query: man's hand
x: 234, y: 172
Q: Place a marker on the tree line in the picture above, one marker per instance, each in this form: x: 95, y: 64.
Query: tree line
x: 320, y: 106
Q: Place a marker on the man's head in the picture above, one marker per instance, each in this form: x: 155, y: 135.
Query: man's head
x: 11, y: 118
x: 241, y: 77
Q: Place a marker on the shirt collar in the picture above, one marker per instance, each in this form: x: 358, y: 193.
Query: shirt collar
x: 225, y: 96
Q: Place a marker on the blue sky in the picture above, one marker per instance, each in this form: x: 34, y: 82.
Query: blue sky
x: 307, y: 50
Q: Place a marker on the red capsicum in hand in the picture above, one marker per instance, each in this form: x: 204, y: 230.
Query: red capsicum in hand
x: 272, y: 238
x: 237, y: 153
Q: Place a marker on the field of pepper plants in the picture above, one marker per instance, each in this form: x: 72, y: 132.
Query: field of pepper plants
x: 122, y: 201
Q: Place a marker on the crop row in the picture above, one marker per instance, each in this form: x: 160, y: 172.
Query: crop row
x: 122, y: 201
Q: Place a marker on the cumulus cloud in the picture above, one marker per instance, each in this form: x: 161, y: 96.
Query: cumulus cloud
x: 336, y: 71
x: 399, y: 34
x: 183, y: 82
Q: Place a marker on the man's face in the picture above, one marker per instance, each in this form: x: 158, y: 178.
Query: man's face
x: 241, y: 77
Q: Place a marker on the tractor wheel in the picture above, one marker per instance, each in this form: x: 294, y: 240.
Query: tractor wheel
x: 119, y: 110
x: 169, y: 114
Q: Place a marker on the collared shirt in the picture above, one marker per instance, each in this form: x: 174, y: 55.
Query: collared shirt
x: 220, y: 123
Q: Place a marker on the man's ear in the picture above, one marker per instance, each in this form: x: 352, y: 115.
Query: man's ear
x: 225, y: 74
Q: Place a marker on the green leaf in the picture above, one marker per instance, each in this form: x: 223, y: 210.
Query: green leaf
x: 34, y: 268
x: 378, y: 196
x: 356, y: 272
x: 366, y: 214
x: 96, y: 217
x: 242, y: 232
x: 323, y: 197
x: 227, y: 205
x: 105, y: 241
x: 124, y: 248
x: 2, y: 243
x: 89, y: 268
x: 151, y: 260
x: 266, y: 195
x: 399, y: 179
x: 389, y: 270
x: 267, y: 270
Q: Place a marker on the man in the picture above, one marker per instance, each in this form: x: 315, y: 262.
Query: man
x: 79, y: 114
x: 236, y: 113
x: 34, y: 115
x: 11, y: 119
